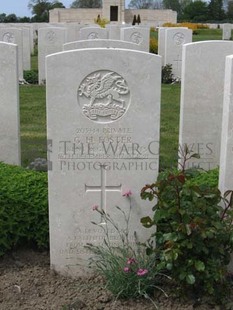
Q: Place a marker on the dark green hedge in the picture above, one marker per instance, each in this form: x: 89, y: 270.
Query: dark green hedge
x: 23, y: 208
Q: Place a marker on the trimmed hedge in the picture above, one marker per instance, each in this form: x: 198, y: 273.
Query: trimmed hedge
x: 23, y: 208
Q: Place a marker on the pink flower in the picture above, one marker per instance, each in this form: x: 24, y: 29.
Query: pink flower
x: 127, y: 193
x: 131, y: 261
x: 142, y: 272
x: 126, y: 269
x: 95, y: 207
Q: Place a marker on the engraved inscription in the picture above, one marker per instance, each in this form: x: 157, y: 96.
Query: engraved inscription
x: 179, y: 38
x: 9, y: 37
x: 93, y: 35
x: 136, y: 37
x: 51, y: 36
x: 103, y: 96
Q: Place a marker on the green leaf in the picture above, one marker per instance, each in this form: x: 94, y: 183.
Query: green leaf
x: 190, y: 279
x: 147, y: 222
x: 199, y: 265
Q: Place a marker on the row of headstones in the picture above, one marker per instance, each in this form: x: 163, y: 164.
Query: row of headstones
x: 103, y: 127
x: 51, y: 39
x: 54, y: 39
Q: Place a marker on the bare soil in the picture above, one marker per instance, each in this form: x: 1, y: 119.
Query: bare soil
x: 27, y: 283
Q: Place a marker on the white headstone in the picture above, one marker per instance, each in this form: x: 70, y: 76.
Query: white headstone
x: 226, y: 31
x: 50, y: 40
x: 101, y: 43
x: 226, y: 155
x: 175, y: 38
x: 92, y: 33
x: 103, y: 130
x: 15, y: 36
x: 26, y: 49
x: 137, y: 35
x: 202, y: 87
x: 72, y: 32
x: 9, y: 117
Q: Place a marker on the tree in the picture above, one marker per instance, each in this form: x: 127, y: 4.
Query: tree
x: 230, y: 10
x: 172, y: 5
x: 195, y: 11
x: 40, y: 9
x: 86, y: 4
x: 142, y: 4
x: 215, y: 10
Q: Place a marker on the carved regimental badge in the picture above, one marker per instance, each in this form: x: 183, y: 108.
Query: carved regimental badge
x: 179, y: 38
x: 51, y: 36
x: 103, y: 96
x: 9, y: 37
x: 93, y: 36
x: 136, y: 38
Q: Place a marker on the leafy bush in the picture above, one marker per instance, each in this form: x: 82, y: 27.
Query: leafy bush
x: 128, y: 271
x: 167, y: 75
x: 102, y: 22
x: 23, y: 208
x: 194, y: 234
x: 31, y: 76
x: 193, y: 26
x: 153, y: 45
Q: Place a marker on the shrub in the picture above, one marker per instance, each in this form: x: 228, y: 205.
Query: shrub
x: 167, y: 76
x: 31, y: 76
x: 194, y: 234
x: 153, y: 46
x: 128, y: 271
x: 23, y: 208
x: 102, y: 22
x: 193, y: 26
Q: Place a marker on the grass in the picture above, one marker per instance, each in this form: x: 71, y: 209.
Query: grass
x: 32, y: 123
x: 207, y: 34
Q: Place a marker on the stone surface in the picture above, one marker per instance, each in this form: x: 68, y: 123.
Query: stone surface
x: 202, y: 87
x: 175, y: 38
x: 15, y: 36
x: 103, y: 138
x: 92, y: 33
x: 226, y: 31
x: 26, y: 49
x: 50, y: 40
x: 226, y: 149
x: 101, y: 43
x: 9, y: 103
x: 137, y: 35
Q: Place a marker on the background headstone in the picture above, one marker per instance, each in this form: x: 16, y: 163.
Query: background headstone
x: 202, y: 86
x: 175, y: 38
x: 15, y: 36
x: 50, y: 40
x: 226, y: 31
x: 92, y: 33
x: 101, y: 43
x: 9, y: 117
x: 137, y: 35
x: 104, y: 142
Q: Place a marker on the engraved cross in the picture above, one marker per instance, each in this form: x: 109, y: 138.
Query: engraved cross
x: 177, y: 61
x: 103, y: 188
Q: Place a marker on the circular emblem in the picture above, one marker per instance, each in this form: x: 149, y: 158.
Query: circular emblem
x: 179, y: 38
x: 136, y: 37
x: 103, y: 96
x: 9, y: 37
x: 51, y: 36
x: 93, y: 35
